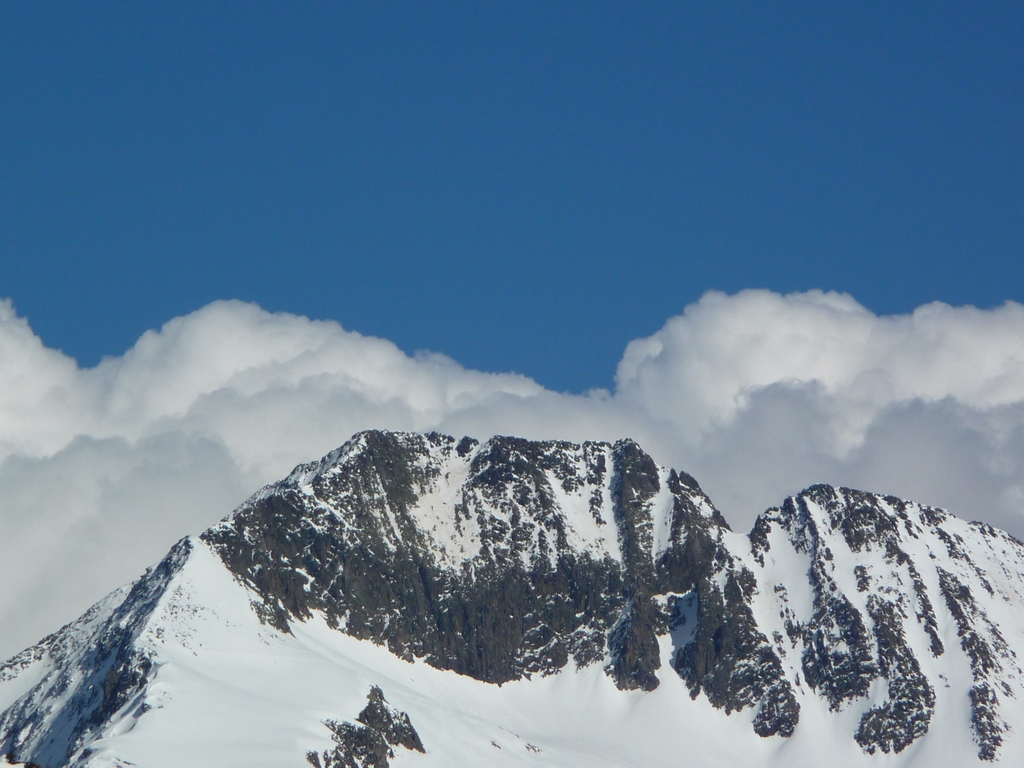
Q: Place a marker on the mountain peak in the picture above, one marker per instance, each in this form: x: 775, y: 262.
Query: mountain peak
x: 863, y: 620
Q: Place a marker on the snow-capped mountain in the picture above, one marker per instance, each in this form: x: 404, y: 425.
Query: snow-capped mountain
x: 433, y: 602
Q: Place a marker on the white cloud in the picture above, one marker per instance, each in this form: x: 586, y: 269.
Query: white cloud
x: 757, y: 395
x: 701, y: 369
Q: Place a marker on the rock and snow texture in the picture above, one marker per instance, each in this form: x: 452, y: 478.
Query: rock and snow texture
x: 905, y: 613
x: 422, y: 600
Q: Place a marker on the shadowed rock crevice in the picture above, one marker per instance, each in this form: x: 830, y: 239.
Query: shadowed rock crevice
x: 732, y: 662
x: 986, y: 658
x: 907, y: 713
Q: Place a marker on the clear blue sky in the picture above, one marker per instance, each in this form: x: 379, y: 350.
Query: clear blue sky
x: 523, y: 186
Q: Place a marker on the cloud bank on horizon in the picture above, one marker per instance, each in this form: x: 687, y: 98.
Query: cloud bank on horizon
x: 756, y: 394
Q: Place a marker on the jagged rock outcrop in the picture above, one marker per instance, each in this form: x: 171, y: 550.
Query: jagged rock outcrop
x: 370, y: 743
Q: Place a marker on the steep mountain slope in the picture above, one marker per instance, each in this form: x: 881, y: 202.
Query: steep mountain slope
x: 547, y: 603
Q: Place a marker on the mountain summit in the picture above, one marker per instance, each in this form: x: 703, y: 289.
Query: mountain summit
x: 441, y: 602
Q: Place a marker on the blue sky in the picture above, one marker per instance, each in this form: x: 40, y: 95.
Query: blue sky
x: 520, y: 186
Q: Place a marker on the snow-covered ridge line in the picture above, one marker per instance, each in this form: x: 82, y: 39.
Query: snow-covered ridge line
x: 85, y: 673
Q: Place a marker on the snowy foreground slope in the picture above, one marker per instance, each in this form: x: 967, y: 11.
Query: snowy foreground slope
x: 420, y: 601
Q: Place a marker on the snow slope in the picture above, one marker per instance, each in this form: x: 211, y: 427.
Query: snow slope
x: 228, y: 691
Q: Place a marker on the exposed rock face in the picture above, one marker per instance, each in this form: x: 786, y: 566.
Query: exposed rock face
x: 508, y: 559
x: 513, y: 558
x: 874, y: 569
x: 483, y: 581
x: 371, y: 744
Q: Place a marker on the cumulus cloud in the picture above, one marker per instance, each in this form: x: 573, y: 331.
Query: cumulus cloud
x: 756, y: 394
x: 706, y: 364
